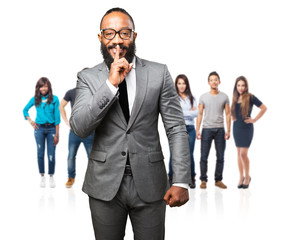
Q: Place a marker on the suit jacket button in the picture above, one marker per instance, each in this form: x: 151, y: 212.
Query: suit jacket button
x: 124, y: 153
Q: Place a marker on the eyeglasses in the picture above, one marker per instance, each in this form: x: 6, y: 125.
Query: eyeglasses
x: 110, y: 34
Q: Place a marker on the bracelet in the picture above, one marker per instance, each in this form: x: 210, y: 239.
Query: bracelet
x: 30, y: 121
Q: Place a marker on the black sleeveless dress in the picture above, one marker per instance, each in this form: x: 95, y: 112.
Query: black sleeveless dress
x: 243, y: 132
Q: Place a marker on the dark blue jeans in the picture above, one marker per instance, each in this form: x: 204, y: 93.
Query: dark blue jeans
x: 42, y: 135
x: 208, y: 134
x: 192, y: 139
x: 74, y: 143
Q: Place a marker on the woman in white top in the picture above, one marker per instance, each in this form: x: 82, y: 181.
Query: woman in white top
x: 190, y: 111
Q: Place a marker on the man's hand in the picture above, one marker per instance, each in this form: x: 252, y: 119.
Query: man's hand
x: 198, y: 135
x: 67, y: 123
x: 227, y: 135
x: 176, y: 196
x: 119, y: 69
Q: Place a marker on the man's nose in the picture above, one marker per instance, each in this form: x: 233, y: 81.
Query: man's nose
x: 117, y: 39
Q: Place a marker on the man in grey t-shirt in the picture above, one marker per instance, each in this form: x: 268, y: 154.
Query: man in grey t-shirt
x: 213, y: 103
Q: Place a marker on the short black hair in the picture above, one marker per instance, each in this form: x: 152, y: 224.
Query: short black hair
x: 213, y: 73
x: 117, y: 9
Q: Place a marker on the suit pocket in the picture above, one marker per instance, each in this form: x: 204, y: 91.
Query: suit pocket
x: 155, y: 156
x: 98, y: 156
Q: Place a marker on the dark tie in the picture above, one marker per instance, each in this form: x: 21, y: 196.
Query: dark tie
x: 123, y: 99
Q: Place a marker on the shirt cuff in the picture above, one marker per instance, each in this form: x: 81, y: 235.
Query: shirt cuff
x: 113, y: 89
x: 183, y: 185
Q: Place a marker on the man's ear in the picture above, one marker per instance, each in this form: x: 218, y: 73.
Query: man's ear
x: 99, y: 37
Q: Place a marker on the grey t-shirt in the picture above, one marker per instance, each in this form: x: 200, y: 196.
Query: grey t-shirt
x: 70, y: 96
x: 213, y: 109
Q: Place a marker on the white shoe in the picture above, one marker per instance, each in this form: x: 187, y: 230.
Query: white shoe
x: 43, y: 182
x: 52, y: 182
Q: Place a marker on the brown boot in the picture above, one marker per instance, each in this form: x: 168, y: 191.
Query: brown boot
x: 220, y: 185
x: 203, y: 185
x: 70, y: 182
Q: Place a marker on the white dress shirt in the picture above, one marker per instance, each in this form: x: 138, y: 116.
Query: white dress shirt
x: 131, y: 86
x: 131, y: 90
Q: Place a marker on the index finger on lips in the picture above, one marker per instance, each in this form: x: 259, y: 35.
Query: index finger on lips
x: 117, y: 56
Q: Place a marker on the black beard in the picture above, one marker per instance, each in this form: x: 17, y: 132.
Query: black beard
x: 108, y: 59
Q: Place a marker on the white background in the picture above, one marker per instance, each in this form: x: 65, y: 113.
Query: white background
x: 57, y: 39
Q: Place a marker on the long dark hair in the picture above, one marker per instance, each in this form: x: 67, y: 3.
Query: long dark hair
x: 245, y: 99
x: 37, y: 96
x: 188, y: 89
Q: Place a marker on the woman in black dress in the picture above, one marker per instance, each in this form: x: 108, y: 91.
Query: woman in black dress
x: 241, y: 108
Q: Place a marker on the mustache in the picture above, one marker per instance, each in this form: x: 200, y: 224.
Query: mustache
x: 115, y: 45
x: 108, y: 59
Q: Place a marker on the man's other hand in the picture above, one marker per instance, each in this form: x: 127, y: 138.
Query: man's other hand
x: 176, y: 196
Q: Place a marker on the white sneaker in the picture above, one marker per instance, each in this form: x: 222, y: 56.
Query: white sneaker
x: 43, y: 182
x: 52, y: 182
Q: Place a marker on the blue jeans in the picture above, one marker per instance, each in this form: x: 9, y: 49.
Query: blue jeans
x: 74, y: 143
x: 192, y: 139
x: 208, y: 134
x: 43, y: 134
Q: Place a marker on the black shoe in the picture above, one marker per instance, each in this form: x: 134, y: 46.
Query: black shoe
x: 246, y: 186
x: 240, y: 185
x: 193, y: 183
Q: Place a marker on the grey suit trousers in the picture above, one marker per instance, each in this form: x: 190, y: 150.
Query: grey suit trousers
x: 109, y: 217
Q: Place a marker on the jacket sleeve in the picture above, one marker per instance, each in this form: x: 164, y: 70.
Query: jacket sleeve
x: 174, y: 124
x: 90, y: 106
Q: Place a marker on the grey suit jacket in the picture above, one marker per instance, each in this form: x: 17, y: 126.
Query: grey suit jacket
x: 97, y: 109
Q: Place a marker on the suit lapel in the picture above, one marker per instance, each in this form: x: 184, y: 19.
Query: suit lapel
x: 141, y: 88
x: 103, y: 74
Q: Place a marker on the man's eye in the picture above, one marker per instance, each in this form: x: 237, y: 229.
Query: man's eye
x: 125, y: 34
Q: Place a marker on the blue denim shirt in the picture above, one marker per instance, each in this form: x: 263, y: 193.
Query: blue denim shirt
x: 46, y: 113
x: 189, y: 115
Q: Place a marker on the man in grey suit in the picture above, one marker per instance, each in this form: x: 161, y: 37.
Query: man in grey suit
x: 120, y: 99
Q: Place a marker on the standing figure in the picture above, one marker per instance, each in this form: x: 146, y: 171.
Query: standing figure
x: 46, y: 126
x: 74, y: 141
x: 190, y: 111
x: 213, y: 103
x: 120, y: 99
x: 241, y: 108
